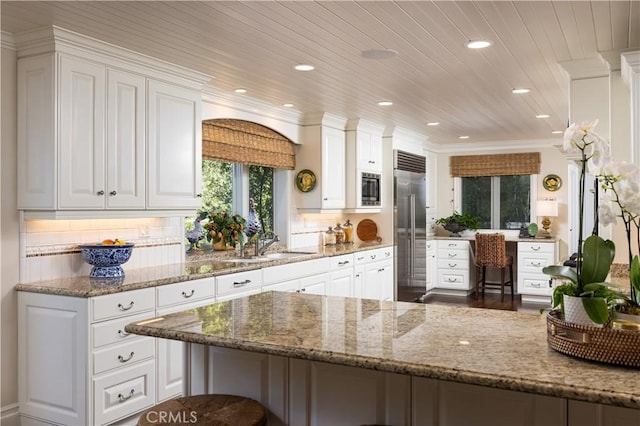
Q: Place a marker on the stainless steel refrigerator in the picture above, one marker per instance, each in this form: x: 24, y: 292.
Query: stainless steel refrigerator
x: 410, y: 225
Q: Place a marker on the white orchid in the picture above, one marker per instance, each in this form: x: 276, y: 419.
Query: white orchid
x: 581, y: 138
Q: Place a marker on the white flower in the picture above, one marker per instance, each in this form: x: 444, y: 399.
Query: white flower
x: 582, y: 138
x: 606, y: 214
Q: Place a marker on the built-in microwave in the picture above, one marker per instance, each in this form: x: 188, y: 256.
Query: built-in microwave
x: 370, y: 184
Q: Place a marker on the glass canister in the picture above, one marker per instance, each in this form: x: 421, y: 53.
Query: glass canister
x: 339, y: 234
x: 330, y: 237
x: 348, y: 232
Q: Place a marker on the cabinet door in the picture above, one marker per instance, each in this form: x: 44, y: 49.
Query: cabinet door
x: 341, y: 283
x: 333, y: 169
x: 81, y: 156
x: 432, y: 264
x: 370, y: 287
x: 316, y: 284
x: 126, y: 170
x: 175, y: 147
x: 385, y: 280
x: 358, y: 281
x: 369, y: 152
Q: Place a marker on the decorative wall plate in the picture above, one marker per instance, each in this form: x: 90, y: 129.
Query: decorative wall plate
x: 305, y: 180
x: 552, y: 182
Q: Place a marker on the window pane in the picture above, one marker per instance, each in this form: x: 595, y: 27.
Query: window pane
x: 476, y: 199
x: 216, y: 186
x: 261, y: 190
x: 514, y: 201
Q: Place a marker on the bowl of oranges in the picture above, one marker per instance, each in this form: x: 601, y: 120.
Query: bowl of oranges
x: 106, y: 257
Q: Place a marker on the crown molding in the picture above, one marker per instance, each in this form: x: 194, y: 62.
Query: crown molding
x: 325, y: 119
x: 586, y: 68
x: 630, y: 65
x: 7, y: 40
x: 355, y: 124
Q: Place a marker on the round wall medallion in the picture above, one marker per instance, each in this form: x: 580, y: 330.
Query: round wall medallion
x: 305, y: 180
x: 552, y: 182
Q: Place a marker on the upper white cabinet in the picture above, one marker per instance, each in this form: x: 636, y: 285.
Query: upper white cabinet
x: 323, y: 152
x: 102, y: 128
x: 364, y: 146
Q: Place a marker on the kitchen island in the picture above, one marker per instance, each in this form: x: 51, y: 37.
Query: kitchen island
x: 334, y: 360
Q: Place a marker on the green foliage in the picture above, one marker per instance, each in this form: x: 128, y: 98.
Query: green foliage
x: 598, y: 255
x: 261, y: 190
x: 216, y: 186
x: 466, y: 219
x: 223, y: 226
x: 634, y: 276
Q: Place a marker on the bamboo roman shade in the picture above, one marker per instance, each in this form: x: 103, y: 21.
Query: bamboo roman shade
x: 245, y: 142
x: 495, y: 165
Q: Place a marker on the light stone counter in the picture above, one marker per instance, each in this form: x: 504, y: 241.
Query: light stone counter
x: 199, y: 265
x: 499, y: 349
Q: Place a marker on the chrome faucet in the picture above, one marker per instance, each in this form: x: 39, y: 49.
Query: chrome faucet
x: 262, y: 244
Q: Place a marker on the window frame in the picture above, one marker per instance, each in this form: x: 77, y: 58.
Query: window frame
x: 533, y: 196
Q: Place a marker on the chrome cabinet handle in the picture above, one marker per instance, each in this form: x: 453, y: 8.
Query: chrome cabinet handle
x: 123, y: 398
x: 122, y: 308
x: 123, y: 359
x: 113, y: 193
x: 100, y: 192
x: 452, y: 265
x: 123, y: 333
x: 452, y: 244
x: 452, y: 254
x: 535, y: 248
x: 536, y: 285
x: 381, y: 270
x: 343, y: 263
x: 241, y: 283
x: 198, y: 195
x: 186, y: 296
x: 373, y: 256
x: 535, y: 263
x: 452, y: 280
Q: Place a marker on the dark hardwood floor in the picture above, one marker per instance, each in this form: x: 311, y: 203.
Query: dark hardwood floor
x: 489, y: 301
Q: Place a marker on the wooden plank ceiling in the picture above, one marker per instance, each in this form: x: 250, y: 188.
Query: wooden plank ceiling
x: 434, y: 77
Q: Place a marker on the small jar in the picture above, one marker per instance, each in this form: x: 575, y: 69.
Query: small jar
x: 330, y: 237
x: 348, y: 232
x: 339, y: 234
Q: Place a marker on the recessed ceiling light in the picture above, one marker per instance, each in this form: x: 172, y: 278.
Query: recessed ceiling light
x: 557, y: 132
x: 463, y: 137
x: 304, y: 67
x: 379, y: 53
x: 543, y: 116
x: 478, y: 44
x: 287, y: 105
x: 240, y: 90
x: 385, y: 103
x: 432, y: 123
x: 522, y: 90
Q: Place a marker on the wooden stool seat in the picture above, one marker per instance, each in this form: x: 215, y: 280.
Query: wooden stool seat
x: 206, y: 410
x: 491, y: 252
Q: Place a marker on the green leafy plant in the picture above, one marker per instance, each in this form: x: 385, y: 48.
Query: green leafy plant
x: 467, y: 220
x: 223, y: 226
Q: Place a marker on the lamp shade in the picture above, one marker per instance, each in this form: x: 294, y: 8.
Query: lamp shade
x: 547, y: 208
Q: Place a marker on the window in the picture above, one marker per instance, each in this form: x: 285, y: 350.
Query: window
x: 219, y: 184
x: 500, y: 202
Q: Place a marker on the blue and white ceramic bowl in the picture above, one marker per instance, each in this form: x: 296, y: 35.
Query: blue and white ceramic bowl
x: 106, y: 259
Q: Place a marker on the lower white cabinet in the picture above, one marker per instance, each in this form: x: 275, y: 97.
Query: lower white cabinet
x: 432, y: 264
x: 533, y: 284
x: 378, y: 275
x: 454, y: 265
x: 341, y: 276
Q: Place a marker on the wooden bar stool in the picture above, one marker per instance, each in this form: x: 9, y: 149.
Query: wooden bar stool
x: 491, y: 252
x: 206, y: 410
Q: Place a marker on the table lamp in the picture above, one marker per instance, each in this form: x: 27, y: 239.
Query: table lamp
x: 545, y: 209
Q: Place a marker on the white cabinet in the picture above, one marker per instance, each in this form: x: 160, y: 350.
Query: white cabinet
x: 100, y: 131
x: 323, y: 152
x: 432, y: 264
x: 534, y: 255
x: 378, y: 282
x: 341, y: 276
x: 175, y: 147
x: 364, y: 146
x: 240, y: 284
x: 454, y: 265
x: 432, y: 194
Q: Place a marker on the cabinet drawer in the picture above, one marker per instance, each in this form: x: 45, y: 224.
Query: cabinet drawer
x: 242, y: 281
x: 124, y: 392
x: 184, y: 292
x: 290, y: 271
x: 454, y: 264
x: 457, y: 280
x: 535, y: 285
x: 122, y: 304
x: 449, y: 254
x: 453, y: 245
x: 341, y: 262
x: 125, y: 354
x: 361, y: 257
x: 535, y: 247
x: 534, y: 263
x: 374, y: 255
x: 108, y: 332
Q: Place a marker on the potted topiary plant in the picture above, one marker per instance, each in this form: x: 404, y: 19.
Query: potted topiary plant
x: 458, y: 222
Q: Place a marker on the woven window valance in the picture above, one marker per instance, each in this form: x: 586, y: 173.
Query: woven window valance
x: 495, y: 165
x: 245, y: 142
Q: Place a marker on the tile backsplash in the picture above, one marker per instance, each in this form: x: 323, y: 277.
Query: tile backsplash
x: 48, y: 248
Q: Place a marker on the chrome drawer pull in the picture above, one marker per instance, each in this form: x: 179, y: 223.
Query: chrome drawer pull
x: 123, y: 398
x: 241, y: 283
x: 452, y: 244
x: 452, y: 280
x: 113, y: 193
x: 123, y: 360
x: 536, y: 285
x: 123, y: 333
x: 452, y: 265
x: 452, y: 254
x: 535, y: 263
x: 535, y: 248
x: 373, y: 256
x: 122, y: 308
x: 360, y: 258
x: 186, y: 296
x: 381, y: 270
x: 343, y: 263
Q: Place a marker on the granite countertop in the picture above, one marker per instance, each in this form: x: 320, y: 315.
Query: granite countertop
x: 507, y: 238
x: 198, y: 265
x: 501, y: 349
